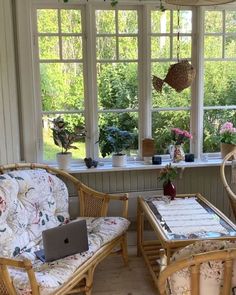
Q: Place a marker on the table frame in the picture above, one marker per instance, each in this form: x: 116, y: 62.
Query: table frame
x: 150, y: 249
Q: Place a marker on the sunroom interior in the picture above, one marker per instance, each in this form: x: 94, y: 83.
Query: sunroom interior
x: 89, y: 66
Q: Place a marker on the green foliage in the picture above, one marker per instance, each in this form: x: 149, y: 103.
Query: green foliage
x: 114, y: 140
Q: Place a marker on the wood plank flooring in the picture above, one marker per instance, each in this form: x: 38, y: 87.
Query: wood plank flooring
x: 113, y: 278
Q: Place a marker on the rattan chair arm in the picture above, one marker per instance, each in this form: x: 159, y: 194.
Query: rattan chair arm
x: 121, y: 197
x: 24, y: 264
x: 232, y: 195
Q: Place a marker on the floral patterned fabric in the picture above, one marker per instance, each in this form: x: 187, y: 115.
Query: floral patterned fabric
x: 30, y: 202
x: 211, y: 273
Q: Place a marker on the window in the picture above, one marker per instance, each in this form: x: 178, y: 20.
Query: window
x: 220, y: 74
x: 61, y: 65
x: 169, y: 108
x: 117, y: 70
x: 94, y: 63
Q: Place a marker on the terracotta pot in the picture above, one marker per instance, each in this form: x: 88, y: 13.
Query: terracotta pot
x: 169, y: 189
x: 226, y: 148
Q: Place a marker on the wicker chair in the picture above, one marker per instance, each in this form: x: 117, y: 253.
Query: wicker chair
x: 92, y: 204
x: 192, y: 267
x: 231, y: 194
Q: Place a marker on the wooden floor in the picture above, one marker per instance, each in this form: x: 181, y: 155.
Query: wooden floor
x: 113, y: 278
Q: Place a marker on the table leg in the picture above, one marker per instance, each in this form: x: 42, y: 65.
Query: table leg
x: 140, y: 226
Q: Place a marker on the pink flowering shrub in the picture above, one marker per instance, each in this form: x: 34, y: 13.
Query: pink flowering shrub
x: 180, y: 136
x: 228, y: 133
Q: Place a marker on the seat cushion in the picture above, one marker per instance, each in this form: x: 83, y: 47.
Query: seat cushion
x: 211, y: 273
x: 51, y: 276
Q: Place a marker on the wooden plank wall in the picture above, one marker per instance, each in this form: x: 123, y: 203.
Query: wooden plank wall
x: 205, y: 180
x: 9, y: 123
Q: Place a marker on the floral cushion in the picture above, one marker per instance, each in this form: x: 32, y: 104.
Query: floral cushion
x: 211, y: 273
x: 30, y: 202
x: 51, y: 276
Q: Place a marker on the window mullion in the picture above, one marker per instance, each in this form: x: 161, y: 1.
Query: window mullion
x: 198, y: 85
x: 91, y: 110
x: 145, y: 116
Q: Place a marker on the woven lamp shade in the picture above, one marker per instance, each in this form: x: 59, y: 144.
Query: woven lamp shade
x: 198, y: 2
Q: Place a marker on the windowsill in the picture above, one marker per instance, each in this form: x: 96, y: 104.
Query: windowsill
x: 141, y: 165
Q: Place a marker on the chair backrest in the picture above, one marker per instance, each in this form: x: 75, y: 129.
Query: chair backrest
x: 209, y: 273
x: 31, y: 201
x: 231, y: 194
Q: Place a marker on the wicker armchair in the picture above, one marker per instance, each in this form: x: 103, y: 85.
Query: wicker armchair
x: 231, y: 194
x: 201, y: 284
x: 92, y: 204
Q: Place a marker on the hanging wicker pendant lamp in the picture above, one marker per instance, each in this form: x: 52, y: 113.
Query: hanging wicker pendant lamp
x: 197, y: 2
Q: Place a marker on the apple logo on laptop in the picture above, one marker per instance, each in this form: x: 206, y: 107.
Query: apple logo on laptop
x: 66, y: 241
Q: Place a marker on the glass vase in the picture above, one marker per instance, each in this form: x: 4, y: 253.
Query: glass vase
x: 169, y: 189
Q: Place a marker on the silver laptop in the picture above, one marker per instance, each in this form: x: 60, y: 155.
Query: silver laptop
x: 62, y: 241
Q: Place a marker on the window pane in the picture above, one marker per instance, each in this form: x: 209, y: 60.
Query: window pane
x: 47, y: 20
x: 71, y: 21
x: 168, y: 97
x: 230, y: 22
x: 162, y: 122
x: 105, y: 21
x: 106, y: 48
x: 185, y: 21
x: 184, y: 47
x: 213, y: 47
x: 117, y: 85
x: 160, y: 21
x: 127, y: 21
x: 213, y: 120
x: 50, y: 149
x: 219, y: 86
x: 213, y: 22
x: 48, y: 47
x: 128, y: 48
x: 160, y: 47
x: 230, y: 46
x: 72, y: 47
x: 124, y: 121
x: 62, y: 86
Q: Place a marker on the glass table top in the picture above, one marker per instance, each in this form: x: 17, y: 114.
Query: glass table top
x: 190, y: 219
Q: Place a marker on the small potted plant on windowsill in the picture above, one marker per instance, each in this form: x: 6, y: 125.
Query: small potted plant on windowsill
x: 64, y: 137
x: 227, y: 138
x: 114, y: 141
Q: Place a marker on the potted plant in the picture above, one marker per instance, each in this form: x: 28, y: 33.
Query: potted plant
x: 167, y: 175
x: 114, y: 141
x: 64, y: 137
x: 227, y: 138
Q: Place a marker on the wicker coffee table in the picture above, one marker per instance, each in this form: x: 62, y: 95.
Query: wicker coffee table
x: 178, y: 223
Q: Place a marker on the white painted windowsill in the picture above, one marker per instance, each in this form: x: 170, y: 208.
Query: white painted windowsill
x: 141, y: 165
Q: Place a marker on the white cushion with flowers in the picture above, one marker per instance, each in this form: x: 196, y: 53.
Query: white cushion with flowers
x: 30, y: 202
x: 211, y: 273
x: 50, y: 276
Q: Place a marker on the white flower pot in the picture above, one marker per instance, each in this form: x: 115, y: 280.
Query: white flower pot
x: 119, y: 160
x: 64, y: 160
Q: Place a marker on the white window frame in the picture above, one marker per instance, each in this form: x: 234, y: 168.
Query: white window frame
x: 31, y: 117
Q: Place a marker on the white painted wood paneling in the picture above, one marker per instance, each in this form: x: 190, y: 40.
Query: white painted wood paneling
x: 205, y: 180
x: 9, y: 123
